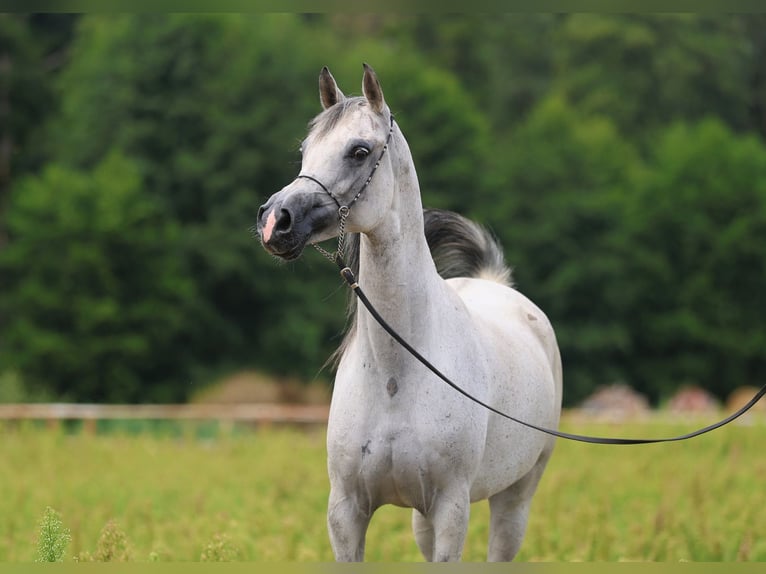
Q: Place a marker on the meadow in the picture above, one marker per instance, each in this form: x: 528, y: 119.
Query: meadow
x: 182, y: 495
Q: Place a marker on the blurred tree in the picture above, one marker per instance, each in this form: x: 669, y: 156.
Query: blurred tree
x: 503, y: 61
x: 755, y: 27
x: 564, y: 175
x: 522, y: 121
x: 30, y: 50
x: 565, y: 178
x: 209, y: 107
x: 644, y: 70
x: 95, y: 292
x: 694, y: 244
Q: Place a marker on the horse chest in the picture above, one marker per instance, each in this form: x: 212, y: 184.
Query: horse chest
x: 396, y: 438
x: 391, y: 466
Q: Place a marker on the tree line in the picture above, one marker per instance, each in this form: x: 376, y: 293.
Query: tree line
x: 620, y: 159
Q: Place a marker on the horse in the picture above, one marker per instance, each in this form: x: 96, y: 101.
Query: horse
x: 396, y: 434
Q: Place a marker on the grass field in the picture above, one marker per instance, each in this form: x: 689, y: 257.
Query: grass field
x: 261, y: 496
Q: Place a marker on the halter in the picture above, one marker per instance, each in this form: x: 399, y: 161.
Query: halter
x: 344, y: 210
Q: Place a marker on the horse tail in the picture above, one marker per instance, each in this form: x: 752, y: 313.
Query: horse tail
x: 462, y: 248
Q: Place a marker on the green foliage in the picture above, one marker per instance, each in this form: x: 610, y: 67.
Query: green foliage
x: 198, y: 102
x: 611, y: 153
x: 191, y: 98
x: 53, y: 538
x: 505, y: 62
x: 96, y: 296
x: 694, y: 244
x: 31, y: 49
x: 26, y: 95
x: 556, y: 212
x: 647, y: 268
x: 644, y: 71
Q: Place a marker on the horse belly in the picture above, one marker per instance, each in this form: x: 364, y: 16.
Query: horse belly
x: 525, y: 381
x: 509, y: 456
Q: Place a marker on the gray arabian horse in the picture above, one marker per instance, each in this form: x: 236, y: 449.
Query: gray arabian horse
x: 396, y: 434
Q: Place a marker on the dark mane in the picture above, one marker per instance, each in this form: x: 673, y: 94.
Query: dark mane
x: 351, y: 257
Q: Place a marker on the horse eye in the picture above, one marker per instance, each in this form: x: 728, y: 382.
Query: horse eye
x: 360, y: 153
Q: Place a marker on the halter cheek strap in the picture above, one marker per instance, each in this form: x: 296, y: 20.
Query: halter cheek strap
x: 344, y: 210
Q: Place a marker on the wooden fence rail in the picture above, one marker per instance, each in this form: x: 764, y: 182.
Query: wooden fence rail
x: 260, y: 414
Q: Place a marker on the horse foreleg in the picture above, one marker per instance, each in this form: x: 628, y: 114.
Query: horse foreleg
x: 449, y: 518
x: 347, y: 525
x: 509, y: 512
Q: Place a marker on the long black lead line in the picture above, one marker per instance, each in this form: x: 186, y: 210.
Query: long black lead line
x: 348, y: 276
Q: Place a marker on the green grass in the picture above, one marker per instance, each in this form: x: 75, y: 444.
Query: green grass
x: 261, y: 496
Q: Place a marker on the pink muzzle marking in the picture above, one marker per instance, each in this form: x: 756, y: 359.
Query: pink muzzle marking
x: 268, y: 229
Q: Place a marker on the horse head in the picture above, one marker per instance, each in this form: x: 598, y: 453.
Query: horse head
x: 345, y: 147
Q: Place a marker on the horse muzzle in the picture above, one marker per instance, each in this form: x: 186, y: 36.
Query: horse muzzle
x: 293, y: 217
x: 282, y: 229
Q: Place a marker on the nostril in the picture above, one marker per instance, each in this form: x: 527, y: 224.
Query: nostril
x: 285, y: 221
x: 260, y: 212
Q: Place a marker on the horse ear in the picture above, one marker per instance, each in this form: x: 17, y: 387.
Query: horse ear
x: 372, y: 90
x: 329, y: 94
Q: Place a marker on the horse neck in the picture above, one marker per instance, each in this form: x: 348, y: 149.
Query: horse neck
x: 396, y: 270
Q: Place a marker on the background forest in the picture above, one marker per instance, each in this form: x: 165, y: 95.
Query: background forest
x: 619, y: 158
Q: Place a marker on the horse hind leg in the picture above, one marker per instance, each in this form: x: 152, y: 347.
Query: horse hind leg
x: 424, y: 534
x: 509, y: 512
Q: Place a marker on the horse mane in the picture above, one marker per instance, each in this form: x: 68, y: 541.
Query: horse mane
x: 459, y: 247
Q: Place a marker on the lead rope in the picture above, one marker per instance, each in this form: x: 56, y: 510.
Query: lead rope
x: 348, y: 276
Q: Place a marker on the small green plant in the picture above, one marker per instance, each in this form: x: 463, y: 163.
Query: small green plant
x: 112, y: 546
x: 219, y: 549
x: 53, y: 539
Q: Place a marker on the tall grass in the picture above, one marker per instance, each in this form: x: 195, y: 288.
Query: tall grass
x: 262, y: 496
